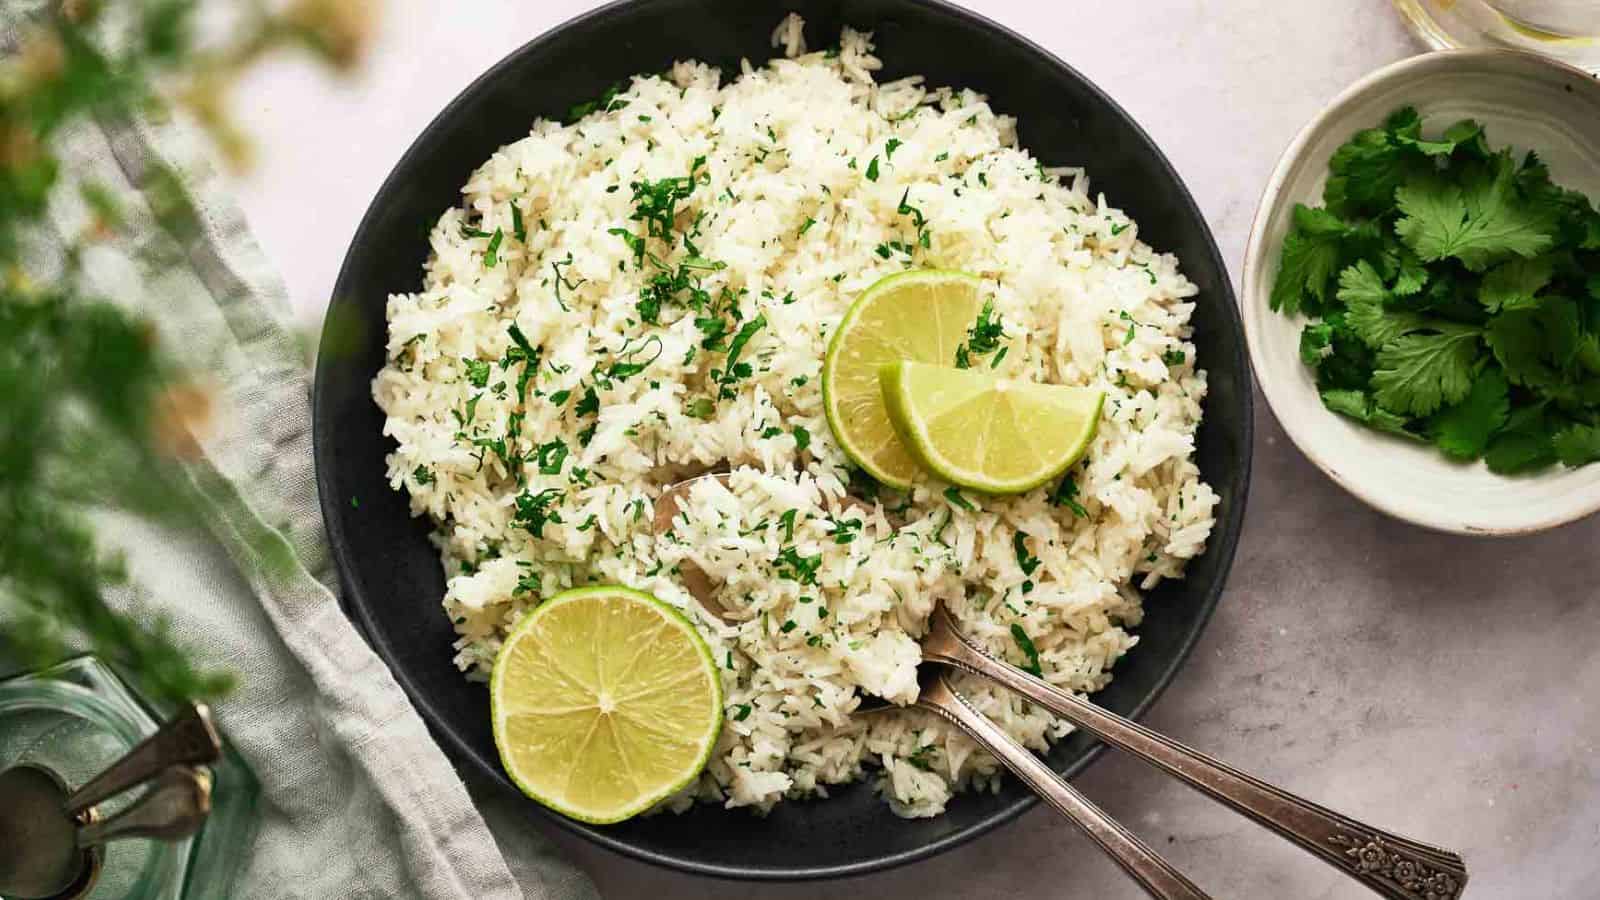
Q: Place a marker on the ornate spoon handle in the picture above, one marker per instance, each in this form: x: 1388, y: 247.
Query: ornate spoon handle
x: 1158, y: 877
x: 174, y: 807
x: 187, y: 738
x: 1393, y: 866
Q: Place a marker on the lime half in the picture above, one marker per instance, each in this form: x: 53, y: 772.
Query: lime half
x: 988, y: 433
x: 605, y: 702
x: 920, y: 315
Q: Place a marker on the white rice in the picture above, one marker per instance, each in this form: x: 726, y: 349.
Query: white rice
x: 1083, y: 300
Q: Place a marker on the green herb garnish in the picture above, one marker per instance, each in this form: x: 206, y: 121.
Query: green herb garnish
x: 953, y: 494
x: 1027, y: 561
x: 534, y: 511
x: 1025, y: 644
x: 794, y: 567
x: 518, y: 229
x: 520, y: 351
x: 983, y: 338
x: 606, y: 101
x: 477, y: 372
x: 550, y: 457
x: 1066, y: 494
x: 733, y: 369
x: 491, y: 254
x: 1450, y: 289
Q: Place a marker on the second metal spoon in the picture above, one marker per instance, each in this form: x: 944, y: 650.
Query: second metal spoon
x: 1156, y: 875
x: 1391, y: 865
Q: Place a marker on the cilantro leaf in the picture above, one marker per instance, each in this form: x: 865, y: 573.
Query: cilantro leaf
x: 984, y: 337
x: 1411, y: 276
x: 1462, y: 132
x: 551, y: 456
x: 534, y: 511
x: 1025, y: 560
x: 1029, y: 651
x: 1524, y: 444
x: 1512, y: 285
x: 491, y: 254
x: 1577, y: 445
x: 1536, y: 345
x: 1480, y: 221
x: 1366, y: 170
x: 1417, y: 373
x: 953, y: 495
x: 1361, y: 283
x: 1311, y: 253
x: 1463, y: 430
x: 1349, y: 361
x: 1066, y: 494
x: 1362, y: 292
x: 1315, y: 339
x: 1361, y: 407
x: 477, y: 372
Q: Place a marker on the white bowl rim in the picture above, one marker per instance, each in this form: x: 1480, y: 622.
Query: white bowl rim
x: 1253, y: 269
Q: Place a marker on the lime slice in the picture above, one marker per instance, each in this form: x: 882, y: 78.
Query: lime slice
x: 605, y: 702
x: 988, y: 433
x: 920, y: 315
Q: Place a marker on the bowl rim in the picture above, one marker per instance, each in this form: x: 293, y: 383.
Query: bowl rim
x: 1223, y: 541
x: 1254, y: 276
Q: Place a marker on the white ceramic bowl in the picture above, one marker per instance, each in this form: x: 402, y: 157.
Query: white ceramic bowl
x: 1524, y: 100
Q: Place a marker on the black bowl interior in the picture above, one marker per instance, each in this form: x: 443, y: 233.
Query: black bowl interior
x: 392, y: 578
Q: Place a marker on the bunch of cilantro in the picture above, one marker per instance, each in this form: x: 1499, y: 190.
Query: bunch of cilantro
x: 1454, y: 293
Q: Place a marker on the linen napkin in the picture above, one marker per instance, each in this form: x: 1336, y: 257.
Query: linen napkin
x: 356, y: 798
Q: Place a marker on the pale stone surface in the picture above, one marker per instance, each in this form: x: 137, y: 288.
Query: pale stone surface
x: 1436, y: 685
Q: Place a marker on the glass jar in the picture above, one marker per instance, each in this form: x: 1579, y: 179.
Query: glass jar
x: 1568, y: 30
x: 77, y: 718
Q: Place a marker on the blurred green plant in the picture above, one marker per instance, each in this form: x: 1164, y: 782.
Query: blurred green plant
x: 94, y: 412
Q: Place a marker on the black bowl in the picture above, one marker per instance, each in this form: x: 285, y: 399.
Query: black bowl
x: 391, y: 576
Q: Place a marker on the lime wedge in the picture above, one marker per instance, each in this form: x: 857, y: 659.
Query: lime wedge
x: 920, y: 315
x: 988, y: 433
x: 605, y: 702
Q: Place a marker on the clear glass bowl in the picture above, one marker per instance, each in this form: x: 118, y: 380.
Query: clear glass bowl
x: 1568, y: 30
x: 79, y: 717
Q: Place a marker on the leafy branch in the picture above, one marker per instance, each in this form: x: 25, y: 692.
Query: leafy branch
x: 94, y: 412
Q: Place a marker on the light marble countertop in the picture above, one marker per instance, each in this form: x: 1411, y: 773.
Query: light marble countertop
x: 1434, y: 685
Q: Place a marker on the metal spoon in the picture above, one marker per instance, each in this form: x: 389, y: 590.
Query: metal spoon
x: 188, y: 738
x: 39, y: 853
x: 45, y: 852
x: 36, y: 808
x: 1393, y: 866
x: 1159, y: 878
x: 175, y: 806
